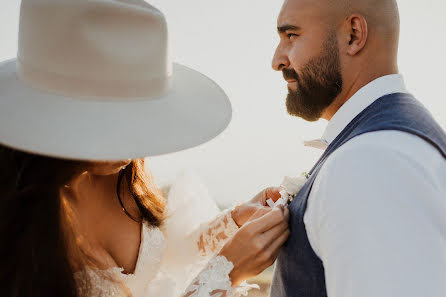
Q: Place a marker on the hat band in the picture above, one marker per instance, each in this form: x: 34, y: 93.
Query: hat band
x: 81, y: 87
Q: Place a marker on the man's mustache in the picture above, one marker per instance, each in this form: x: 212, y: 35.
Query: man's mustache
x: 289, y: 73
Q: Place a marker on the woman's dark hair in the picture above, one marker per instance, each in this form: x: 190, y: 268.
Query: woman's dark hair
x: 37, y: 241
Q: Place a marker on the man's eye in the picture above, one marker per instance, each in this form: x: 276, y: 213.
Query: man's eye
x: 290, y: 35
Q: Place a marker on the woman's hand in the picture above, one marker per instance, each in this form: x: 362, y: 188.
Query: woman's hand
x: 256, y: 245
x: 242, y: 213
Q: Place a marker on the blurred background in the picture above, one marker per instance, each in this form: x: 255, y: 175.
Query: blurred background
x: 233, y: 41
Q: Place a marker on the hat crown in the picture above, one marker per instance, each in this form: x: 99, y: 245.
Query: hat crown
x: 116, y: 48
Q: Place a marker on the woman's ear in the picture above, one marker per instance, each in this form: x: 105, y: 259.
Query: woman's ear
x: 356, y: 33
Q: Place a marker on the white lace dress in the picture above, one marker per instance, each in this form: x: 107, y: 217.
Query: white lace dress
x: 179, y: 259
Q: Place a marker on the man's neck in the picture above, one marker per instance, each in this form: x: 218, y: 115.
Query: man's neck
x: 355, y: 84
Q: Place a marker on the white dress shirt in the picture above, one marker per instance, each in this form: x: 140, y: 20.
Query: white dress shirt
x: 376, y: 214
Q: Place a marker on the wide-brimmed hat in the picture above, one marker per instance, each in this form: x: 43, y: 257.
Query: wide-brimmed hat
x: 93, y: 81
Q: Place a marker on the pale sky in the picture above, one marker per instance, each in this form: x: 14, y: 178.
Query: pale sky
x: 233, y: 41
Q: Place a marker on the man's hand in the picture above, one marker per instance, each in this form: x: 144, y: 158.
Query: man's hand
x: 242, y: 213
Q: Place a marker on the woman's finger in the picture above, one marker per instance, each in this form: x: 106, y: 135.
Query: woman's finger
x: 275, y: 246
x: 260, y: 213
x: 272, y: 234
x: 272, y: 193
x: 267, y: 221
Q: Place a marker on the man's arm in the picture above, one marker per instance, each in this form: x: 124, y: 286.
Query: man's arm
x: 377, y: 219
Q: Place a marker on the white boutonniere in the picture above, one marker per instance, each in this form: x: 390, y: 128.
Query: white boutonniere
x: 289, y: 188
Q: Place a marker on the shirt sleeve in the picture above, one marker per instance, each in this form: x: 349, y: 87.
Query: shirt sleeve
x: 376, y: 218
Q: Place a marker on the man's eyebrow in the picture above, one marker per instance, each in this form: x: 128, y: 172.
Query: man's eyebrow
x: 284, y: 28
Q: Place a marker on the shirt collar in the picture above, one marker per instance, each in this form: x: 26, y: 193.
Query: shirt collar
x: 364, y: 97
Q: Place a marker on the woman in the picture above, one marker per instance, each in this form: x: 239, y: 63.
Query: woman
x: 93, y: 83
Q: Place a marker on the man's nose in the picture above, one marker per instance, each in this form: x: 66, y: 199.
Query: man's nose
x: 280, y: 59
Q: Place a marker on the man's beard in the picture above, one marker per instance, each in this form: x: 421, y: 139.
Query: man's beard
x: 318, y: 85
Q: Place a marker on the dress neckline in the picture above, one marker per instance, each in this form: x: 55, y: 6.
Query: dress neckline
x: 151, y: 247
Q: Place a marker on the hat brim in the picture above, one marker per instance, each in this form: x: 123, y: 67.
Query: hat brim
x: 194, y: 111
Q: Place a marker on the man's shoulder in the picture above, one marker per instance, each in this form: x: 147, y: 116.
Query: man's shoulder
x: 375, y: 145
x: 385, y: 166
x: 382, y: 153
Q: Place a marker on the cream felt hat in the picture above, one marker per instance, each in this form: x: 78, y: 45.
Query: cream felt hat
x: 93, y: 81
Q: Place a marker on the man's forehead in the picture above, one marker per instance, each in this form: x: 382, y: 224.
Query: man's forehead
x: 297, y: 10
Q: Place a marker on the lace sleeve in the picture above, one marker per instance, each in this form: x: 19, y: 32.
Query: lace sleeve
x: 195, y: 230
x: 214, y: 281
x: 211, y: 237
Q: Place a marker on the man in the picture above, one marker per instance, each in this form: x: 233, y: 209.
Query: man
x: 370, y: 221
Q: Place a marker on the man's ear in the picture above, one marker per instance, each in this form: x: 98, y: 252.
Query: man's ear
x: 356, y: 33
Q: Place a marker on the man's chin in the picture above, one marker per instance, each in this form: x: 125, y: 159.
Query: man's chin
x: 307, y: 114
x: 306, y: 117
x: 309, y: 117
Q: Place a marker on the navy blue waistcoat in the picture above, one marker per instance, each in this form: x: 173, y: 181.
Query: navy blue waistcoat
x: 299, y: 272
